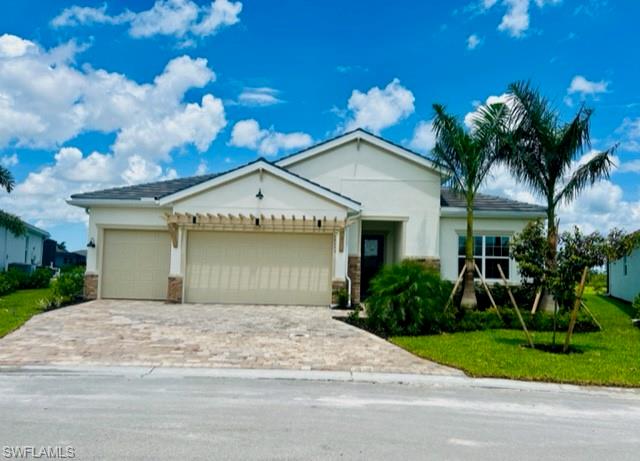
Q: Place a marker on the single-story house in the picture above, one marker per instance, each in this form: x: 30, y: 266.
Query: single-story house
x: 22, y: 249
x: 293, y: 231
x: 54, y: 255
x: 624, y: 276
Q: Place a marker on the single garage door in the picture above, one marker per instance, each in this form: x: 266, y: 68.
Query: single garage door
x: 259, y: 268
x: 135, y: 264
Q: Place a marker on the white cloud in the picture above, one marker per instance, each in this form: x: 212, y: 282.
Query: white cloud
x: 45, y: 101
x: 247, y: 133
x: 583, y: 87
x: 177, y: 18
x: 378, y: 108
x: 263, y: 96
x: 473, y: 41
x: 632, y: 166
x: 12, y: 46
x: 202, y: 168
x: 424, y: 139
x: 9, y: 160
x: 516, y: 20
x: 629, y: 131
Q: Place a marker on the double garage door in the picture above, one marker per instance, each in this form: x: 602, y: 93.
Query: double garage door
x: 222, y: 267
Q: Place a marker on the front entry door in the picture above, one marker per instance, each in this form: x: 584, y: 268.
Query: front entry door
x: 372, y: 252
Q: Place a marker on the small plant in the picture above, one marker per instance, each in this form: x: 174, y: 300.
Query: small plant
x: 69, y: 284
x: 342, y: 298
x: 408, y: 299
x: 50, y: 303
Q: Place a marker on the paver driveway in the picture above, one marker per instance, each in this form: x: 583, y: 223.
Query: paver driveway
x: 143, y: 333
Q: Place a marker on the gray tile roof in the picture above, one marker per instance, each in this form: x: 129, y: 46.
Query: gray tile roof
x: 160, y: 189
x: 486, y: 202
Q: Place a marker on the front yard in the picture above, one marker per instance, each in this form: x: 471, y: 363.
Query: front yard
x: 609, y: 357
x: 16, y: 308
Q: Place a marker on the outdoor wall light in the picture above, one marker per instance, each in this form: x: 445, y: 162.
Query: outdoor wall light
x: 91, y: 243
x: 259, y: 195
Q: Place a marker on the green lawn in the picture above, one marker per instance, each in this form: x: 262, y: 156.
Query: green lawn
x: 18, y: 307
x: 610, y: 357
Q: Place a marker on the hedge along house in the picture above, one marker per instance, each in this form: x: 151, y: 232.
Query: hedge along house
x: 294, y: 231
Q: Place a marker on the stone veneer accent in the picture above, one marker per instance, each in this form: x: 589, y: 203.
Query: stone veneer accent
x: 353, y: 271
x: 431, y: 263
x: 174, y: 289
x: 90, y: 290
x: 336, y: 286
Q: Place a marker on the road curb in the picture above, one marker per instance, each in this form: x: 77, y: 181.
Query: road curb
x: 441, y: 381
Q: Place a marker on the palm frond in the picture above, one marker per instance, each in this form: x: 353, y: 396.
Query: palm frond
x: 6, y: 179
x: 595, y: 169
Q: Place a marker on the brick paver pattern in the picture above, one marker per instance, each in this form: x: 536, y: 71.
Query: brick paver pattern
x: 146, y: 333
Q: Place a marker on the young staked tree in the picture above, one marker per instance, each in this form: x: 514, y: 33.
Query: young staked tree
x: 542, y: 152
x: 469, y: 155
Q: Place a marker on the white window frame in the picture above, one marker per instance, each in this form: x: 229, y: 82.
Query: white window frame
x: 483, y: 255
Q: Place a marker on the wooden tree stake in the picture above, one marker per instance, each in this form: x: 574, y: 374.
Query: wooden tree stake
x: 455, y: 288
x: 515, y: 306
x: 574, y: 312
x: 536, y: 301
x: 486, y: 288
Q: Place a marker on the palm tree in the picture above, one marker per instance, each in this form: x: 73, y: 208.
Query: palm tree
x: 469, y: 155
x: 541, y: 153
x: 6, y: 179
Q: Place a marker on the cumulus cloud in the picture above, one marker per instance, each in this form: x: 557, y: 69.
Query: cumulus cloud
x: 582, y: 87
x: 12, y: 46
x: 248, y: 134
x: 424, y: 139
x: 262, y: 96
x: 473, y: 41
x: 516, y: 19
x: 46, y: 101
x: 9, y: 160
x: 178, y: 18
x: 629, y: 132
x: 379, y: 108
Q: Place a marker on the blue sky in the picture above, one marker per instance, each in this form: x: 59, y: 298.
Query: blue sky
x: 96, y: 94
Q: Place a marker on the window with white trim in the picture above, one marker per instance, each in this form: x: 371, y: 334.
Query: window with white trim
x: 488, y: 252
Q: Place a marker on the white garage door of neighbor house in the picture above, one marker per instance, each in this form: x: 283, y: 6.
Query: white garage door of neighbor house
x: 259, y: 268
x: 135, y: 264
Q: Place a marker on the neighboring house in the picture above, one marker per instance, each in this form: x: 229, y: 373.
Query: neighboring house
x: 22, y: 249
x: 54, y: 255
x: 293, y: 231
x: 624, y: 276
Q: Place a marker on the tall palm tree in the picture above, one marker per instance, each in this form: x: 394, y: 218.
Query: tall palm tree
x: 6, y: 179
x: 469, y: 155
x: 542, y: 152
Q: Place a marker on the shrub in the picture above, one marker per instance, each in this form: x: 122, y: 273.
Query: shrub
x: 8, y: 283
x: 408, y: 299
x: 635, y: 307
x: 40, y: 278
x: 69, y: 284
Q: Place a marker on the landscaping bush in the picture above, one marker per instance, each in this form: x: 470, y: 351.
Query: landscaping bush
x: 69, y: 284
x: 408, y: 299
x: 40, y: 278
x: 8, y: 283
x: 635, y: 308
x: 540, y: 321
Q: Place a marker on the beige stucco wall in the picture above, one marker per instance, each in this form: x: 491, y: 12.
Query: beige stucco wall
x: 451, y: 228
x: 387, y: 186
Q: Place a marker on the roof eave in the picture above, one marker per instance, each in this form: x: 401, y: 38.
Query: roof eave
x: 125, y: 203
x: 368, y: 137
x: 458, y: 212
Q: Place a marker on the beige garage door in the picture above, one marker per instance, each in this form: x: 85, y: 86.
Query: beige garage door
x: 135, y: 264
x: 259, y: 268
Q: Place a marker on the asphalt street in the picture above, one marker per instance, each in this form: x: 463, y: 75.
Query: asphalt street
x: 138, y: 414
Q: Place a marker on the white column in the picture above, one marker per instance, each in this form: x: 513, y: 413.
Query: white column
x: 175, y: 267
